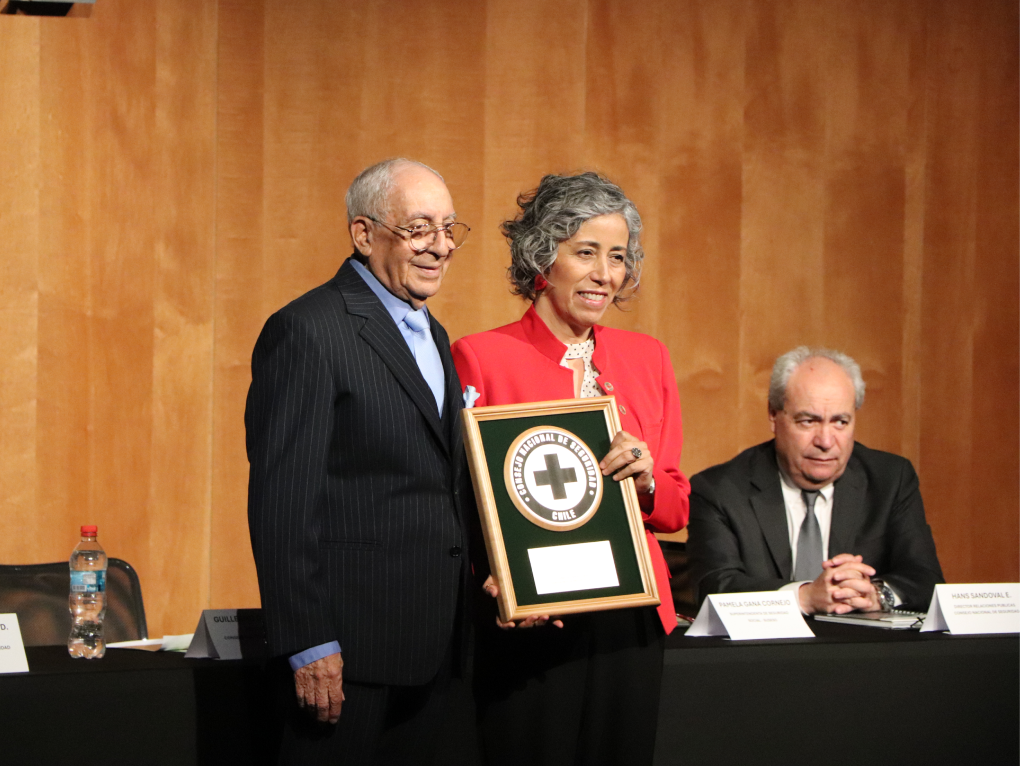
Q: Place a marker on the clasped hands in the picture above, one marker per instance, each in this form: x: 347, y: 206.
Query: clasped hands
x: 620, y: 462
x: 843, y: 586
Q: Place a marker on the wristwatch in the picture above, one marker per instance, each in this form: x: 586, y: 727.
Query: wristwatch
x: 886, y: 597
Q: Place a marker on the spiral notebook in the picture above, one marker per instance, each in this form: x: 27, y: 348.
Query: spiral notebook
x: 880, y: 619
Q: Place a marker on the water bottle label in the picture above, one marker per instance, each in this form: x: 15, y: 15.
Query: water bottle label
x: 88, y: 581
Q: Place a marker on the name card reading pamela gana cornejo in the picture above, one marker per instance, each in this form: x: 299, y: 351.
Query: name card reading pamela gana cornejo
x: 750, y: 616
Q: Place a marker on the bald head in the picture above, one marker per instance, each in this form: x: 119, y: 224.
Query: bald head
x: 371, y: 191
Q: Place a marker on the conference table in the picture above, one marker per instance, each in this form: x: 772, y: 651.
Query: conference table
x: 850, y: 695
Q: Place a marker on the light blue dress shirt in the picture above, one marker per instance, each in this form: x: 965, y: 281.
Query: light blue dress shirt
x: 317, y: 652
x: 423, y: 349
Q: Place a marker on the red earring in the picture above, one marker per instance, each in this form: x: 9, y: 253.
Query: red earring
x: 539, y: 283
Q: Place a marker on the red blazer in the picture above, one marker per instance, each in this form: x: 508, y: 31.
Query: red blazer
x: 519, y: 363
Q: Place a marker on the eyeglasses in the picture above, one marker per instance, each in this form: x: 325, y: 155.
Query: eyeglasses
x: 423, y: 236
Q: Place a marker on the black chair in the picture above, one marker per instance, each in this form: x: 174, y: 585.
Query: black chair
x: 682, y: 580
x: 39, y: 595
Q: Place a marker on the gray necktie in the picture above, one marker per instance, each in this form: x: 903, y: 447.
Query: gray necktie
x: 808, y: 543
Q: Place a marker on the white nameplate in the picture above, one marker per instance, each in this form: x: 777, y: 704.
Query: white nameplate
x: 974, y: 609
x: 571, y: 567
x: 12, y: 649
x: 751, y: 616
x: 232, y: 633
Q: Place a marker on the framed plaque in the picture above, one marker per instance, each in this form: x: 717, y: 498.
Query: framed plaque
x: 561, y: 538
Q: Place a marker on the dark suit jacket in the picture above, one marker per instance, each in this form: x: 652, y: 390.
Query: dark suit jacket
x: 358, y: 491
x: 739, y: 538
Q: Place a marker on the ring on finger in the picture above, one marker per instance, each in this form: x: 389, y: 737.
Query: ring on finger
x: 637, y: 453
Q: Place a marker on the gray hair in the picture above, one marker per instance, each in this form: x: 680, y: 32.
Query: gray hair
x: 789, y: 362
x: 553, y: 213
x: 369, y: 193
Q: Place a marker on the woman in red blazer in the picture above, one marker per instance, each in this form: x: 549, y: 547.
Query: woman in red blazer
x: 583, y: 689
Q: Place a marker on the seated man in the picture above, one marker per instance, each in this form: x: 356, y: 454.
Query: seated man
x: 865, y: 546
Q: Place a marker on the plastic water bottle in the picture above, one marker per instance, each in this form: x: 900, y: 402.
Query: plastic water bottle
x: 88, y: 595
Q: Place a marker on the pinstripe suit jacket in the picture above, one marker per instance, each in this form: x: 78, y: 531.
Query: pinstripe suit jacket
x: 358, y: 491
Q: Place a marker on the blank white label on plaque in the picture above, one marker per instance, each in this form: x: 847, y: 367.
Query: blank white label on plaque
x: 572, y: 567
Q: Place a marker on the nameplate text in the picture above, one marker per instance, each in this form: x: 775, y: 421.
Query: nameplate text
x: 750, y: 616
x: 974, y: 609
x: 12, y: 649
x: 232, y: 633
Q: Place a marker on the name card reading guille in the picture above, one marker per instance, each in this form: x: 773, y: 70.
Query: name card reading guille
x: 750, y: 616
x: 974, y: 609
x: 234, y: 633
x: 12, y: 648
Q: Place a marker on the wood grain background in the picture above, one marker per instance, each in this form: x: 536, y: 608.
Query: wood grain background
x: 809, y: 171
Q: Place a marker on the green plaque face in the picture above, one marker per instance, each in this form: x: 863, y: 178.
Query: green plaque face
x: 561, y: 537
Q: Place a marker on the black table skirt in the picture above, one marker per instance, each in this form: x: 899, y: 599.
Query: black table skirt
x: 848, y: 696
x: 134, y: 707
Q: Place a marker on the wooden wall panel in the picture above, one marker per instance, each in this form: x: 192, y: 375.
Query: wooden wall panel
x: 124, y: 293
x: 19, y: 285
x: 303, y: 245
x: 698, y: 250
x: 179, y: 513
x: 948, y: 279
x: 915, y: 164
x: 117, y: 76
x: 440, y: 81
x: 838, y: 172
x: 864, y: 196
x: 238, y: 290
x: 333, y: 107
x: 625, y: 58
x: 534, y: 123
x: 782, y: 287
x: 65, y: 295
x: 995, y: 404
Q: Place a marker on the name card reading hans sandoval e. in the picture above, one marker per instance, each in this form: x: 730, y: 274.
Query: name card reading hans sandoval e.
x: 12, y: 647
x: 750, y: 616
x: 974, y: 609
x: 233, y: 633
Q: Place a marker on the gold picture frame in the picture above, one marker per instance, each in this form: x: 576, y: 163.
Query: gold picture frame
x: 501, y: 441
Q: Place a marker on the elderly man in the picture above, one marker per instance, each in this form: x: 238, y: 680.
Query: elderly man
x: 812, y: 510
x: 359, y: 490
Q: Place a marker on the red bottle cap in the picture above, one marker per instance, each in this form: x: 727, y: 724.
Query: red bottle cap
x: 88, y: 530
